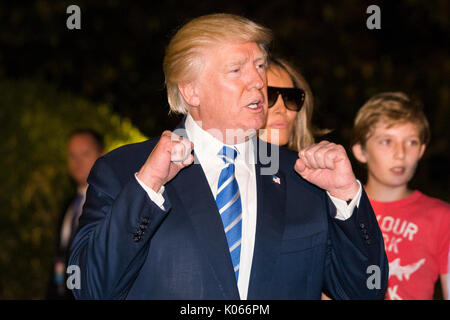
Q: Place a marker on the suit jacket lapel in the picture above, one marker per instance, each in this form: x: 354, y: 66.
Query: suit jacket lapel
x: 205, y: 218
x: 271, y: 204
x: 271, y: 198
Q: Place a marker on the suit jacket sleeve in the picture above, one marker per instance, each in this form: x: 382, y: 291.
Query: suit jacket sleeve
x: 355, y: 251
x: 116, y: 227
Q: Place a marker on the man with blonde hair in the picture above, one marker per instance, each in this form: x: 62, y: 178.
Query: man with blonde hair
x: 194, y: 214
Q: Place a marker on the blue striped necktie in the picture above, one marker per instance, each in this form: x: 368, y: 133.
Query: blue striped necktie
x: 228, y: 200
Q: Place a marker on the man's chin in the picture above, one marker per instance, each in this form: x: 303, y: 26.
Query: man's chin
x: 239, y: 135
x: 256, y: 120
x: 259, y: 123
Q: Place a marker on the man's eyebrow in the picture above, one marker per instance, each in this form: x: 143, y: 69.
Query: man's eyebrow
x: 236, y: 62
x: 263, y: 58
x: 242, y: 61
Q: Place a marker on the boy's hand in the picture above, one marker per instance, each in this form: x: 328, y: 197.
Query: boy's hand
x: 327, y: 166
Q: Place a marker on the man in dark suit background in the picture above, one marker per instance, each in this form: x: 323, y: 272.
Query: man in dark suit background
x: 238, y: 218
x: 84, y: 146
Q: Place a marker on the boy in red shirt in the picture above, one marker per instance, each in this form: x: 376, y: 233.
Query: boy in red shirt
x: 390, y: 136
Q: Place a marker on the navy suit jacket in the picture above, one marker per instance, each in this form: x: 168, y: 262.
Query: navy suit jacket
x: 128, y: 248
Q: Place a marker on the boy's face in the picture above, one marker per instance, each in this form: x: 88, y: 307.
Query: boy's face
x: 391, y: 154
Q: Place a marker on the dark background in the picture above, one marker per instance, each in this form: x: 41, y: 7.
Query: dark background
x: 117, y: 55
x: 116, y: 59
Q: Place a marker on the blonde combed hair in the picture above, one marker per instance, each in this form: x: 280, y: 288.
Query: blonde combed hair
x: 392, y: 108
x: 183, y: 57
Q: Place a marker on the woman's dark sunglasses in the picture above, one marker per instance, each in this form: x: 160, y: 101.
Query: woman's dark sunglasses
x: 293, y: 97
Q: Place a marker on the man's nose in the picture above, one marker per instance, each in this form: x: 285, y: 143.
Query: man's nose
x: 256, y: 79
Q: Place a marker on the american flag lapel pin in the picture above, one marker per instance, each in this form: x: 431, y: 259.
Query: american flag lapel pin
x: 276, y: 179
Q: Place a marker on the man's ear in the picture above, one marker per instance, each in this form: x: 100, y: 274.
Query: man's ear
x: 190, y: 93
x: 359, y: 153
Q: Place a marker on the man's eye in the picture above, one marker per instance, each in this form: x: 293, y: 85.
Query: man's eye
x: 413, y: 142
x: 385, y: 142
x: 261, y: 66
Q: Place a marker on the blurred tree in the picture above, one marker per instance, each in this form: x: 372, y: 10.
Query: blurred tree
x: 36, y: 120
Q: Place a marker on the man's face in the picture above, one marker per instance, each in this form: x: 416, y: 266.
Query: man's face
x: 82, y: 153
x: 392, y: 154
x: 232, y: 88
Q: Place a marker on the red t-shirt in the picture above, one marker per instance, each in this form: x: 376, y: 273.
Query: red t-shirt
x: 416, y: 232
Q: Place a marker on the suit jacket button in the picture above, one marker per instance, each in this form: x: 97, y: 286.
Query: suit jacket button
x: 368, y: 241
x: 366, y: 236
x: 143, y: 227
x: 362, y: 226
x: 145, y: 221
x: 137, y: 238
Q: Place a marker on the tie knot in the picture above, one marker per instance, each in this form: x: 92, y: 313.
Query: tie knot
x: 228, y: 154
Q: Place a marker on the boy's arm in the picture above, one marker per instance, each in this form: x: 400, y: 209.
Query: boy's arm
x: 445, y: 286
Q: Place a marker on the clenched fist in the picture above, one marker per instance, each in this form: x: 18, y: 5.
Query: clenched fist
x: 170, y: 155
x: 327, y: 166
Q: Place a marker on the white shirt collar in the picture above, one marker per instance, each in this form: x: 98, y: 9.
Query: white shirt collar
x: 82, y: 189
x: 206, y: 146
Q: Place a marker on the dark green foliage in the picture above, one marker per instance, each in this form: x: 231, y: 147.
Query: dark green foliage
x: 35, y: 122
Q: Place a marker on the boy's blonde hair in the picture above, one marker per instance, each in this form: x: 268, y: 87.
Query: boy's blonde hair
x: 392, y: 108
x: 183, y: 58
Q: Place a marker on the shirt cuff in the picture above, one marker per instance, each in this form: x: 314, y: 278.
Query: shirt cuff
x: 156, y: 197
x: 344, y: 210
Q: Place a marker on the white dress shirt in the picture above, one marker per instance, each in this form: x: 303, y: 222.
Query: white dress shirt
x: 206, y: 149
x: 67, y: 225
